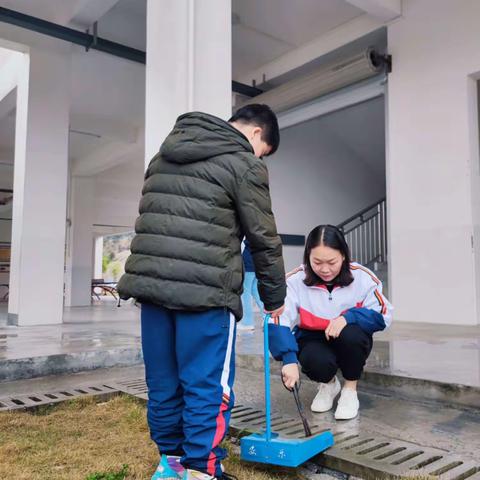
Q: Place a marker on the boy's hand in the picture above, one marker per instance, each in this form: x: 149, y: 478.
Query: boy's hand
x: 335, y: 327
x: 290, y: 375
x: 276, y: 313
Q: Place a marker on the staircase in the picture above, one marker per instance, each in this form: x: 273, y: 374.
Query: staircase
x: 366, y: 234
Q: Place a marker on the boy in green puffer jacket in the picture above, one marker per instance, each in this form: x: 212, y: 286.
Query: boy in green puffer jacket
x: 204, y: 191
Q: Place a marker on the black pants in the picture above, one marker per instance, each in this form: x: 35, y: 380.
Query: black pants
x: 321, y: 358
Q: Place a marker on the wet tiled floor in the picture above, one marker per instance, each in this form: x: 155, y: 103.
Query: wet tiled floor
x: 102, y: 326
x: 444, y: 353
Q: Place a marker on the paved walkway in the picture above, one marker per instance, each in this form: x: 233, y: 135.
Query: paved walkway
x: 442, y: 353
x: 102, y: 326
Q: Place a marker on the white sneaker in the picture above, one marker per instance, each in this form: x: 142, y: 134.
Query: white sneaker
x: 348, y: 405
x: 323, y: 401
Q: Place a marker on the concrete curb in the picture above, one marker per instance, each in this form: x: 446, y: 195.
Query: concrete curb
x: 417, y: 389
x: 31, y: 367
x: 384, y: 383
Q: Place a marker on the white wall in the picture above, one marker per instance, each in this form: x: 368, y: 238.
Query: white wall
x: 6, y: 176
x: 107, y: 86
x: 79, y: 257
x: 433, y: 164
x: 328, y: 169
x: 117, y: 194
x: 6, y: 182
x: 5, y: 231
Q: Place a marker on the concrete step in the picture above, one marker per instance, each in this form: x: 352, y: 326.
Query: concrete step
x: 417, y: 389
x: 57, y: 364
x: 420, y: 390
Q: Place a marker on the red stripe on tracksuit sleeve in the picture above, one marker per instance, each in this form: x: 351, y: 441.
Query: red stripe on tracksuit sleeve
x: 381, y: 302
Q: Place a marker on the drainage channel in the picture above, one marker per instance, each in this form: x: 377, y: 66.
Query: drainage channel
x: 32, y: 400
x: 369, y: 456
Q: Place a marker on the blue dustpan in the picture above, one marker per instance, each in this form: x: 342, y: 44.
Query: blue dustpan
x: 270, y: 447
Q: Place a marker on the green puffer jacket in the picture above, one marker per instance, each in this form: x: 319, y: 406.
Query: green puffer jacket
x: 203, y: 192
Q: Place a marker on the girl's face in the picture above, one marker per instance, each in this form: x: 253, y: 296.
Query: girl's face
x: 326, y: 262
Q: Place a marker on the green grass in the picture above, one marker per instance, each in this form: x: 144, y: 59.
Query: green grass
x: 120, y: 475
x: 85, y: 440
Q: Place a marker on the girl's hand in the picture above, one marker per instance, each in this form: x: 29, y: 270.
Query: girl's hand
x: 290, y: 375
x: 335, y: 327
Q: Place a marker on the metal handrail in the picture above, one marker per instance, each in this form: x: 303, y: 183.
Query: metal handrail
x: 366, y: 234
x: 360, y: 213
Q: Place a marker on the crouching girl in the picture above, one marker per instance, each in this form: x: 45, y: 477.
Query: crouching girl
x: 334, y: 307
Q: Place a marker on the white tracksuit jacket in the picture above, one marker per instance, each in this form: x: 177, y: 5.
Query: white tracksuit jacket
x: 312, y: 308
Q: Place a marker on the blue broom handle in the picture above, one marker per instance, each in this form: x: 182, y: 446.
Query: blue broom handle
x: 266, y: 356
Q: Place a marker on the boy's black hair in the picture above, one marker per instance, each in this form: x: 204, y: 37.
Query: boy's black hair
x: 332, y: 237
x: 261, y: 116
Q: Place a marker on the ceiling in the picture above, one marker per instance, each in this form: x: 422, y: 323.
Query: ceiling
x: 125, y: 23
x: 264, y: 30
x: 261, y: 30
x: 108, y: 92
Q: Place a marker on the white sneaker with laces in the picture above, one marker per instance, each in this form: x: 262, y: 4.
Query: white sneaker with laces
x: 323, y: 401
x: 348, y: 405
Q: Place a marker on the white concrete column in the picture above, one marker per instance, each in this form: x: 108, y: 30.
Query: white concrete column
x: 188, y: 64
x: 98, y: 258
x: 80, y: 257
x: 40, y: 190
x: 432, y: 162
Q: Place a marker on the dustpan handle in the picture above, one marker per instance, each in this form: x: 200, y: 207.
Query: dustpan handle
x: 266, y: 358
x: 301, y: 412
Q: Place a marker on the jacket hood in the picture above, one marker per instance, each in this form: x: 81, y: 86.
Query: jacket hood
x: 198, y: 136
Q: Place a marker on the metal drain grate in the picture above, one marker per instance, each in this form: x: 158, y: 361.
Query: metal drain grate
x: 385, y: 458
x: 248, y: 419
x: 368, y: 456
x: 136, y: 387
x: 17, y: 402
